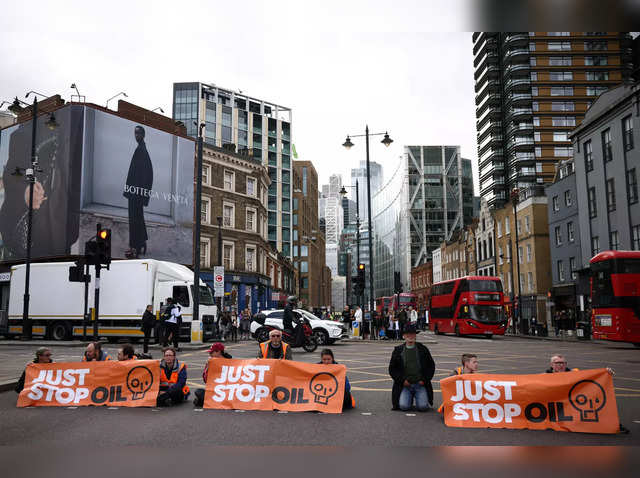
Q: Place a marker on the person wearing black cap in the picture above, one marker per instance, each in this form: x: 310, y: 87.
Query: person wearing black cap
x: 412, y: 368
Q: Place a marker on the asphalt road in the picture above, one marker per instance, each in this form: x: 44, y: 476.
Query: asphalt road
x: 372, y: 423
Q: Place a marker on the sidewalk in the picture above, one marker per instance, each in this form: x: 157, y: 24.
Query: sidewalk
x: 572, y: 338
x: 34, y: 344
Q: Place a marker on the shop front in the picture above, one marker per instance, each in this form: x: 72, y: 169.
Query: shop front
x: 243, y: 291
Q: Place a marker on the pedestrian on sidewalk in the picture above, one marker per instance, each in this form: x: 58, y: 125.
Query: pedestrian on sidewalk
x: 148, y: 325
x: 245, y: 325
x: 43, y: 355
x: 394, y: 326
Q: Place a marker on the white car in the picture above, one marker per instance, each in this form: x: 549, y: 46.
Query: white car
x: 325, y: 331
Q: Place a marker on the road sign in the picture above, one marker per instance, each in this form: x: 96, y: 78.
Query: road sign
x: 218, y: 281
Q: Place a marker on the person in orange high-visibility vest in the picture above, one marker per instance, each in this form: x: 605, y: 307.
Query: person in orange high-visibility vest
x: 173, y: 379
x: 126, y: 352
x: 327, y: 358
x: 94, y: 352
x: 275, y: 348
x: 469, y: 365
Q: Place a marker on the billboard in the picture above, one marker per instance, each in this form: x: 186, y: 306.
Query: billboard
x: 98, y: 167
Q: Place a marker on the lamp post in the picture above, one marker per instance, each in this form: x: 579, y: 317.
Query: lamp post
x: 30, y: 175
x: 348, y: 144
x: 115, y: 96
x: 219, y: 219
x: 198, y: 208
x: 343, y: 193
x: 514, y: 202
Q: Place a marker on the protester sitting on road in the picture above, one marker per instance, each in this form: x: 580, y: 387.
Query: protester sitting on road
x: 215, y: 351
x: 559, y: 364
x: 326, y: 358
x: 412, y: 369
x: 173, y: 379
x: 469, y: 365
x: 43, y: 355
x: 126, y: 352
x: 275, y: 348
x: 94, y: 352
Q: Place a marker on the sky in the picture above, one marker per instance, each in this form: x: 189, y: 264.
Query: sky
x: 339, y: 66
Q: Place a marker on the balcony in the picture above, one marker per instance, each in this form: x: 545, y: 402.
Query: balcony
x: 491, y: 56
x: 521, y: 127
x: 519, y: 143
x: 490, y: 45
x: 488, y: 113
x: 488, y: 127
x: 488, y: 72
x: 492, y: 139
x: 490, y: 155
x: 517, y: 39
x: 518, y: 100
x: 515, y: 113
x: 518, y: 84
x: 489, y: 100
x: 492, y: 85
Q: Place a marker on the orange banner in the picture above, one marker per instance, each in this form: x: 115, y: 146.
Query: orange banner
x: 274, y: 385
x: 133, y: 383
x: 580, y: 401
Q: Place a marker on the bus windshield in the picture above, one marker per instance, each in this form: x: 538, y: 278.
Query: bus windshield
x: 489, y: 314
x: 406, y: 299
x: 485, y: 286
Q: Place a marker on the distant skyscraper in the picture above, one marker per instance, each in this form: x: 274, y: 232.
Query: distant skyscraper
x: 360, y: 175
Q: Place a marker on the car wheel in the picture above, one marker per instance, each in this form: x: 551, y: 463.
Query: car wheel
x: 59, y: 331
x: 262, y: 335
x: 321, y: 336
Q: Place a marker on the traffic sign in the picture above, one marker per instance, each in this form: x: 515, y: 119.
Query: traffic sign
x: 218, y: 281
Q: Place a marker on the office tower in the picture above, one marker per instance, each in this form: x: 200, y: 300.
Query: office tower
x: 360, y: 174
x: 532, y: 89
x: 247, y: 125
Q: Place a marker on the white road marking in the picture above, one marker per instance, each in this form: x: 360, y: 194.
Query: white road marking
x: 411, y: 414
x: 197, y: 409
x: 283, y: 411
x: 113, y: 408
x: 636, y: 421
x: 71, y: 408
x: 156, y: 409
x: 366, y: 413
x: 239, y: 411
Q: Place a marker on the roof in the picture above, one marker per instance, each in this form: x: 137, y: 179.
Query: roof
x: 471, y: 278
x: 606, y: 103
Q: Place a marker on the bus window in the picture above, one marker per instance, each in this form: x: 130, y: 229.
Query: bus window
x: 485, y: 286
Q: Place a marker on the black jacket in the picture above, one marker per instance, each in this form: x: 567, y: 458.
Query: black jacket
x: 148, y: 321
x: 287, y: 317
x: 396, y: 370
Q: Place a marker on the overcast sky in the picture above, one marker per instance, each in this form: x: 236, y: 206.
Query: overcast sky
x: 339, y: 65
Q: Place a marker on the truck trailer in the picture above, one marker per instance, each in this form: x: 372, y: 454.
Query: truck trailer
x: 57, y: 305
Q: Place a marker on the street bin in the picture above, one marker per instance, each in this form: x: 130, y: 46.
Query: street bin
x: 583, y: 330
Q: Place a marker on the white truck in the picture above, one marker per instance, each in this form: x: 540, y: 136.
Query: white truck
x: 57, y: 306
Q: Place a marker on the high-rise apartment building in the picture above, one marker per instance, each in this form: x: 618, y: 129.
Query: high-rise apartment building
x: 257, y: 128
x: 532, y: 89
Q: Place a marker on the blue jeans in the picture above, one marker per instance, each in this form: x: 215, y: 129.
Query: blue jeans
x: 417, y: 391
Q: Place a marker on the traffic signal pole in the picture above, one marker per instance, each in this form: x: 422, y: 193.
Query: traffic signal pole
x: 96, y: 304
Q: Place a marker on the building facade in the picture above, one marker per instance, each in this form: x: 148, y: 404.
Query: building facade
x: 421, y: 282
x: 485, y: 241
x: 532, y: 89
x: 360, y: 175
x: 607, y: 168
x: 257, y: 128
x: 564, y: 242
x: 308, y: 241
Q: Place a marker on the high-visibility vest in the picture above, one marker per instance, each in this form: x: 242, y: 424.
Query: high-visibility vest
x: 167, y: 381
x: 457, y: 371
x: 104, y: 357
x: 264, y: 348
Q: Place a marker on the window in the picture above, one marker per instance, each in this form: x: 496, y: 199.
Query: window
x: 614, y: 241
x: 627, y: 133
x: 534, y: 76
x: 521, y: 284
x: 635, y: 238
x: 556, y: 204
x: 534, y: 91
x: 568, y: 201
x: 588, y: 156
x: 595, y: 245
x: 228, y: 215
x: 499, y: 225
x: 535, y: 106
x: 536, y: 136
x: 595, y: 45
x: 563, y: 121
x: 250, y: 258
x: 533, y: 61
x: 251, y: 220
x: 304, y: 266
x: 519, y: 226
x: 519, y: 254
x: 500, y: 255
x: 560, y: 61
x: 560, y: 136
x: 593, y: 208
x: 206, y: 174
x: 559, y: 46
x: 562, y: 106
x: 611, y: 195
x: 229, y: 180
x: 560, y: 76
x: 532, y: 46
x: 562, y: 151
x: 597, y: 75
x: 527, y: 224
x: 509, y: 255
x: 558, y: 34
x: 228, y: 255
x: 595, y: 60
x: 560, y: 271
x: 570, y: 233
x: 558, y: 236
x: 506, y: 226
x: 528, y: 252
x: 205, y: 251
x: 632, y: 186
x: 530, y: 280
x: 596, y: 90
x: 561, y: 91
x: 538, y: 151
x: 251, y: 187
x: 304, y: 251
x: 572, y: 268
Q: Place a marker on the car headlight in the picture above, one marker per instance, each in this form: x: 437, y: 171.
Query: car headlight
x: 335, y: 332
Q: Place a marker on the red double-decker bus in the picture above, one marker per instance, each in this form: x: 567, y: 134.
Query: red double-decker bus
x: 383, y: 303
x: 403, y: 301
x: 472, y: 305
x: 615, y: 296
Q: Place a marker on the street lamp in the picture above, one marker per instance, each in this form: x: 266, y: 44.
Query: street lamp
x: 219, y: 219
x: 514, y: 196
x: 30, y: 174
x: 343, y: 193
x: 198, y: 208
x: 115, y: 96
x: 349, y: 144
x: 157, y: 108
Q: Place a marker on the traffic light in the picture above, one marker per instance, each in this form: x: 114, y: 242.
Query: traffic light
x: 103, y: 244
x: 360, y: 281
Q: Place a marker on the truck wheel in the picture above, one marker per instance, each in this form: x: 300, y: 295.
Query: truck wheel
x: 321, y: 336
x: 59, y: 331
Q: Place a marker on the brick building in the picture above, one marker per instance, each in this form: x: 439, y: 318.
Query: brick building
x: 421, y: 282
